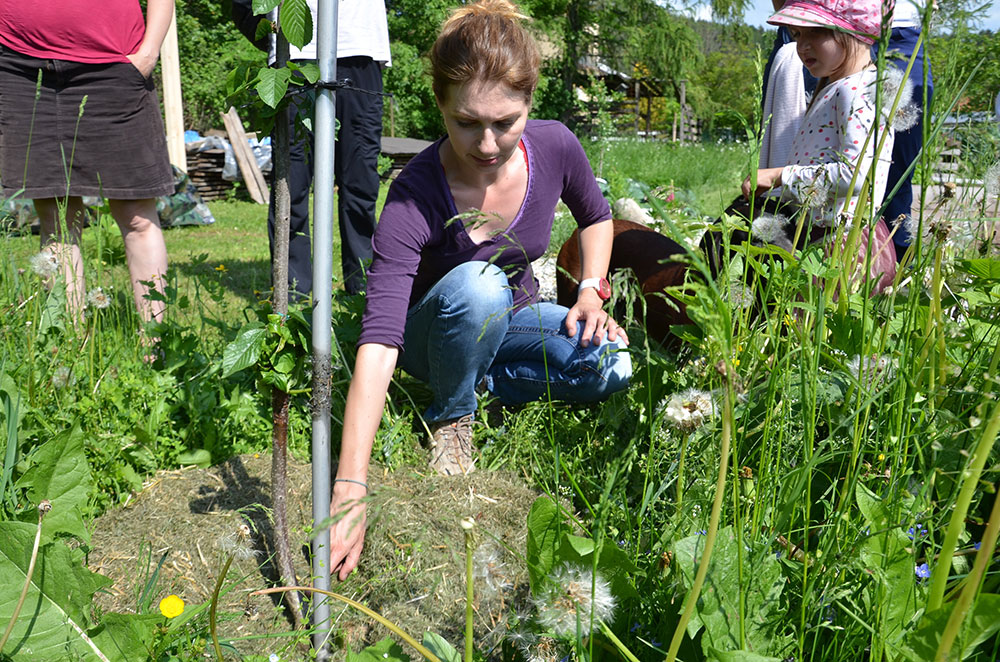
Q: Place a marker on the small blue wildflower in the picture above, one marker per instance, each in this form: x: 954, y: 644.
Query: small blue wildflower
x: 922, y: 571
x: 777, y: 555
x: 703, y: 532
x: 976, y: 545
x: 635, y: 627
x: 913, y: 532
x: 655, y: 643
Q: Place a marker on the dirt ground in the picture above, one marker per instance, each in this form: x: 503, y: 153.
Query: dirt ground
x: 412, y: 569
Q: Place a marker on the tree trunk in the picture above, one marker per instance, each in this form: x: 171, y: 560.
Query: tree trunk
x: 279, y: 303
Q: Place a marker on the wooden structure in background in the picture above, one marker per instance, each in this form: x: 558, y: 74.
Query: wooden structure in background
x: 173, y: 105
x: 252, y: 176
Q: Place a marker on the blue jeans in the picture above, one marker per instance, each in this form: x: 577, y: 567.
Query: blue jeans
x: 463, y: 332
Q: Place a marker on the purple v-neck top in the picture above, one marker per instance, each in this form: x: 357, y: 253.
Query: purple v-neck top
x: 416, y: 243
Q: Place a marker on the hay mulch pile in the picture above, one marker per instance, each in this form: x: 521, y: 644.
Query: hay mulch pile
x: 412, y: 570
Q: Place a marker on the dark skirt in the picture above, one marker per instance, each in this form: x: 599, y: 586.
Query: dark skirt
x: 84, y: 129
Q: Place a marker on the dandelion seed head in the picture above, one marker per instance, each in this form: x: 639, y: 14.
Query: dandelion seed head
x: 574, y: 596
x: 740, y: 296
x: 768, y: 228
x: 489, y: 568
x: 238, y: 543
x: 892, y: 79
x: 542, y: 649
x: 871, y: 371
x: 689, y: 410
x: 907, y: 117
x: 98, y: 298
x: 62, y: 377
x: 44, y: 264
x: 992, y: 179
x: 817, y: 194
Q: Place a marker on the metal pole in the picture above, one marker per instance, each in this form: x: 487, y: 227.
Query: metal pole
x: 325, y: 123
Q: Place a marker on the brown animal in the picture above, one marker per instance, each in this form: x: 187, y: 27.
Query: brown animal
x: 643, y: 250
x: 647, y: 253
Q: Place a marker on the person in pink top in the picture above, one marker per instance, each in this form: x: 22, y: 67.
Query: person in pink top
x: 840, y: 140
x: 79, y: 117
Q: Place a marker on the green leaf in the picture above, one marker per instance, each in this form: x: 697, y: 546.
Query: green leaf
x: 261, y: 7
x: 125, y: 637
x: 982, y: 267
x: 245, y: 350
x: 272, y: 85
x: 198, y: 456
x: 308, y: 70
x: 296, y: 22
x: 718, y: 608
x: 386, y: 650
x: 53, y: 309
x: 980, y: 624
x: 437, y: 644
x: 56, y: 612
x: 613, y: 564
x: 545, y: 528
x: 887, y: 557
x: 60, y: 473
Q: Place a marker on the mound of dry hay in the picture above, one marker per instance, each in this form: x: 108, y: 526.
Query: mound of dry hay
x: 412, y: 569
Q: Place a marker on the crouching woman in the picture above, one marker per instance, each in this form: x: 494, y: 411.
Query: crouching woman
x: 451, y: 295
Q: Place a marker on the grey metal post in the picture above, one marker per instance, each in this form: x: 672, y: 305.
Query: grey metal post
x: 324, y: 131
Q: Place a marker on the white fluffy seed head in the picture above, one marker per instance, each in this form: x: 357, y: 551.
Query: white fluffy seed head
x: 992, y: 179
x: 689, y: 410
x: 489, y: 568
x: 871, y: 371
x: 97, y: 298
x: 239, y: 544
x: 768, y: 228
x: 44, y: 264
x: 575, y: 598
x: 907, y: 117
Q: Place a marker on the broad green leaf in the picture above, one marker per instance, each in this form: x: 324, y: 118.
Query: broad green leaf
x: 437, y: 644
x: 53, y: 309
x: 56, y: 613
x: 272, y: 85
x: 982, y: 267
x: 718, y: 608
x: 261, y: 7
x: 198, y: 456
x: 308, y: 70
x: 125, y: 637
x: 296, y: 22
x: 887, y: 557
x: 60, y: 473
x: 613, y: 564
x: 980, y: 624
x: 386, y: 650
x: 245, y: 350
x: 545, y: 527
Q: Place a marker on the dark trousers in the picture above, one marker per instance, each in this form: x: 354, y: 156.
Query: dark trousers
x: 907, y: 144
x: 356, y: 151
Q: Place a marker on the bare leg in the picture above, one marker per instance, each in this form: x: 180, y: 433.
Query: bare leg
x: 63, y: 241
x: 145, y: 251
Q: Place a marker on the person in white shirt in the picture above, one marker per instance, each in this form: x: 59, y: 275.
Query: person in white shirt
x: 362, y: 52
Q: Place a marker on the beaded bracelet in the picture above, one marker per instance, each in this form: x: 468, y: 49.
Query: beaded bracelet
x: 351, y: 480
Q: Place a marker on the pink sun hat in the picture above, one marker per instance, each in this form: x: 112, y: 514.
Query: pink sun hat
x: 863, y: 18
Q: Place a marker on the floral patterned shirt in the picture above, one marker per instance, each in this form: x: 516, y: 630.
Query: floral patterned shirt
x: 832, y: 142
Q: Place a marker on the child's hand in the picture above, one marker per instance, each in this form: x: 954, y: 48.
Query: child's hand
x: 767, y: 179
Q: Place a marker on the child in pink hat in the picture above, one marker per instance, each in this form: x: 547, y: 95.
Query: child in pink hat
x: 833, y: 40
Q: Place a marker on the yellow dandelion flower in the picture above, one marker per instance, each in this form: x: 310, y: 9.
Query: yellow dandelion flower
x: 881, y: 457
x: 171, y: 606
x: 221, y: 268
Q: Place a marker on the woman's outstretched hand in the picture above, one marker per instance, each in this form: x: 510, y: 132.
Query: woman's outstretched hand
x: 597, y: 324
x: 347, y: 535
x: 767, y: 179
